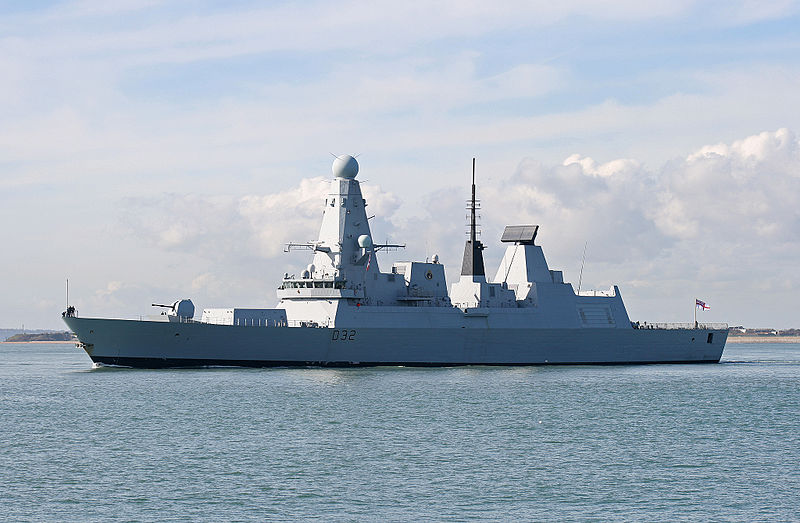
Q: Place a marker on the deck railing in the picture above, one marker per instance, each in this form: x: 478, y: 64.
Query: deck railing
x: 595, y: 292
x: 263, y: 322
x: 678, y: 326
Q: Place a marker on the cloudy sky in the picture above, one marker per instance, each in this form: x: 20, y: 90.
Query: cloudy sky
x: 152, y: 150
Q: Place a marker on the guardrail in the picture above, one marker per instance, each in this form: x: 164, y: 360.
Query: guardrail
x: 679, y: 326
x: 239, y: 322
x: 593, y: 292
x: 250, y: 322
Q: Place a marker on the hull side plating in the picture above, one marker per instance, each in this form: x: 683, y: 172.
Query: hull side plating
x: 160, y: 344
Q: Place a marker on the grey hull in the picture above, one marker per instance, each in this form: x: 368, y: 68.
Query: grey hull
x: 151, y: 344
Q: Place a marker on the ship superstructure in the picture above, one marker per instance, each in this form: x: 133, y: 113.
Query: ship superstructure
x: 343, y: 310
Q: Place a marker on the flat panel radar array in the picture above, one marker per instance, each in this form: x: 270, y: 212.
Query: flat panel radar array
x: 520, y: 234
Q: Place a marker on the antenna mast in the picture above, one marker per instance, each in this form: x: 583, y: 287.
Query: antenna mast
x: 472, y: 264
x: 472, y: 232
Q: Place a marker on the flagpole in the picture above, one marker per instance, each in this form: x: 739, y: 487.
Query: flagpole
x: 695, y: 313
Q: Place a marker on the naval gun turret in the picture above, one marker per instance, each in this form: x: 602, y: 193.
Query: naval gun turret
x: 180, y: 310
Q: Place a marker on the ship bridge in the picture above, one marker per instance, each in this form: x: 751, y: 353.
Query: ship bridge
x: 345, y: 270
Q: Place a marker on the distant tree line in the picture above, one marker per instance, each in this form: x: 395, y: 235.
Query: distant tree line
x: 742, y: 331
x: 42, y: 336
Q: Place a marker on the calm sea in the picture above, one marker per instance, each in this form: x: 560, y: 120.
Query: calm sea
x: 659, y: 442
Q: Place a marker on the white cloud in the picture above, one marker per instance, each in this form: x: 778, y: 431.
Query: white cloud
x: 291, y: 215
x: 749, y: 186
x: 223, y: 229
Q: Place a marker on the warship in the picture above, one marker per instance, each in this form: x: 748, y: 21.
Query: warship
x: 344, y: 311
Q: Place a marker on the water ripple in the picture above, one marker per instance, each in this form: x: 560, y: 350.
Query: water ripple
x: 653, y: 442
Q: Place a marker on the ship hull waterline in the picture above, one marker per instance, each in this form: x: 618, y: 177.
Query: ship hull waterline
x: 153, y: 344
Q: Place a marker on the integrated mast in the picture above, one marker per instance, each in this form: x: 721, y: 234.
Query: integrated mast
x: 472, y: 264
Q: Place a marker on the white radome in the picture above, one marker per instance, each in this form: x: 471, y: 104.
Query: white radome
x: 364, y: 241
x: 345, y: 166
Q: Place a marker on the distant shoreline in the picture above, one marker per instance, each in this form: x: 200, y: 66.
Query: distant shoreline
x: 49, y: 341
x: 763, y: 339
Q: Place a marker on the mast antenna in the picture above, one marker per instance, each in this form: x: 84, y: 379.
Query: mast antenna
x: 580, y: 278
x: 472, y: 264
x: 472, y: 206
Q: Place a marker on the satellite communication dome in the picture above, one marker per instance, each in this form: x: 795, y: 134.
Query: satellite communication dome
x: 364, y: 241
x: 345, y: 166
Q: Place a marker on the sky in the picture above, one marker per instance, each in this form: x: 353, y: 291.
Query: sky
x: 156, y: 150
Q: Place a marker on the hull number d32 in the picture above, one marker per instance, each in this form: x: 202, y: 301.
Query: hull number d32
x: 343, y: 335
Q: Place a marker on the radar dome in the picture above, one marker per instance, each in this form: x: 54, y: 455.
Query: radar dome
x: 345, y: 166
x: 364, y: 241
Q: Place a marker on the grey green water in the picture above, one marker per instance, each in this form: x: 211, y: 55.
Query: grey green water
x: 658, y: 443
